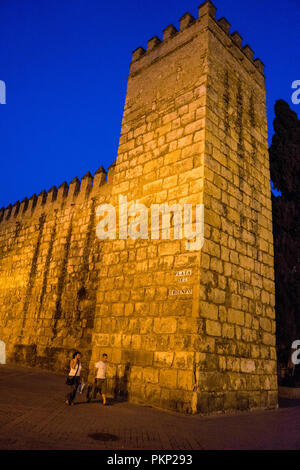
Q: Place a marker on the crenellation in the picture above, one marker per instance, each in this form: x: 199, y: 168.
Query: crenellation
x: 153, y: 43
x: 138, y: 53
x: 225, y: 25
x: 207, y: 8
x: 99, y: 179
x: 62, y: 192
x: 74, y: 189
x: 23, y: 206
x: 237, y: 39
x: 52, y: 194
x: 7, y: 212
x: 15, y: 209
x: 239, y: 51
x: 111, y: 172
x: 260, y: 65
x: 55, y: 197
x: 169, y: 32
x: 248, y: 52
x: 41, y: 200
x: 86, y: 186
x: 31, y: 204
x: 186, y: 20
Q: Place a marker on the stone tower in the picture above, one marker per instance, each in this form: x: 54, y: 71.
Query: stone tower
x: 186, y: 330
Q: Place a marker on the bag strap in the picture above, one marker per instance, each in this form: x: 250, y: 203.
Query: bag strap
x: 77, y: 369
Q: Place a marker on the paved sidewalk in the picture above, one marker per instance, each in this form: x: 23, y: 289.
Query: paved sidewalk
x: 33, y: 416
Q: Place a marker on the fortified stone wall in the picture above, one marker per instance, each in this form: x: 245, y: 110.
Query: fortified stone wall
x: 237, y: 275
x: 49, y: 267
x: 187, y: 330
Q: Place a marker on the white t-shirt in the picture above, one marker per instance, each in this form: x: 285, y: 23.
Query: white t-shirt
x: 74, y: 371
x: 101, y: 369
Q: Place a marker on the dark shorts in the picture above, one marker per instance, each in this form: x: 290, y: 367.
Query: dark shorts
x: 100, y: 386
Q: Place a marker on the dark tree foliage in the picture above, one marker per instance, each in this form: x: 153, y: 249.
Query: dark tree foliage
x: 285, y: 174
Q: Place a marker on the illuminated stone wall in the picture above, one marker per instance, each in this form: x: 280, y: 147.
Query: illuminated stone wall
x: 186, y: 330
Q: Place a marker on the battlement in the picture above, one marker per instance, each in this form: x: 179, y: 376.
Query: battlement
x: 206, y: 13
x: 76, y: 192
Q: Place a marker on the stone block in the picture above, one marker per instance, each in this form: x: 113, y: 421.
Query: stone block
x: 163, y: 358
x: 213, y: 328
x: 168, y: 378
x: 185, y: 380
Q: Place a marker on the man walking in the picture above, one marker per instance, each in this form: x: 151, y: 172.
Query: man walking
x: 100, y: 381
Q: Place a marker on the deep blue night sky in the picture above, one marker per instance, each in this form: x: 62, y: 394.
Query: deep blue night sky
x: 65, y: 64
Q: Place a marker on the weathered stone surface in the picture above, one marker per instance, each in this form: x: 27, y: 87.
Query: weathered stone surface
x: 194, y: 131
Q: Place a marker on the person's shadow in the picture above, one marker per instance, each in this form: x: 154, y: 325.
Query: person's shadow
x: 121, y: 385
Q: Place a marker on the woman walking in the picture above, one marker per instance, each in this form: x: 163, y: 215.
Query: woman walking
x: 73, y: 379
